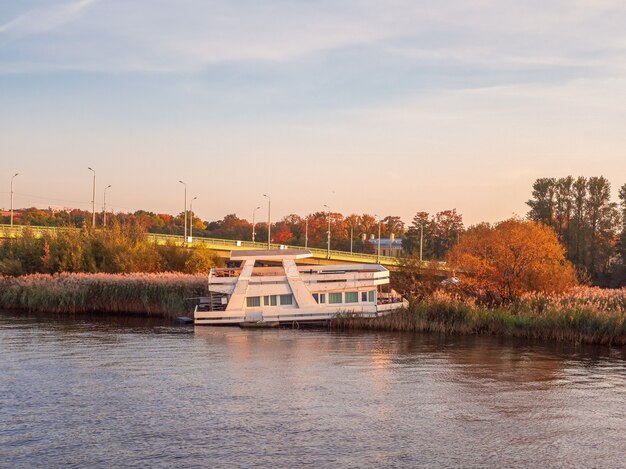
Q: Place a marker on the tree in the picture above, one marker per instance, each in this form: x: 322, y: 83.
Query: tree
x: 448, y: 226
x: 542, y: 203
x: 582, y: 214
x: 393, y: 224
x: 579, y: 226
x: 513, y: 257
x: 619, y: 274
x: 438, y: 234
x: 283, y: 234
x: 420, y: 231
x: 601, y: 214
x: 563, y: 208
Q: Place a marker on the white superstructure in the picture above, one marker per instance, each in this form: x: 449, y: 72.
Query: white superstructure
x: 269, y: 288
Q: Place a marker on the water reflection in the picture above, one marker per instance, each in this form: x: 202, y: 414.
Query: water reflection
x: 125, y: 391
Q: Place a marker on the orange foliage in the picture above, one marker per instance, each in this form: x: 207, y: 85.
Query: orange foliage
x: 513, y: 257
x: 283, y: 235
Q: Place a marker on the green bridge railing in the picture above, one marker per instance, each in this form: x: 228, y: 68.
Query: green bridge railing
x: 7, y: 231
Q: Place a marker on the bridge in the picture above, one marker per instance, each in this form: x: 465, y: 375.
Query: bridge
x: 223, y: 247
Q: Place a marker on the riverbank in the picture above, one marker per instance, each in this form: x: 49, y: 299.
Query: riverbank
x: 583, y: 315
x: 160, y: 294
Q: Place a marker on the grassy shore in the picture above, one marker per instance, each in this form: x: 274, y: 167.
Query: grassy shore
x: 585, y: 315
x: 160, y: 294
x: 588, y: 315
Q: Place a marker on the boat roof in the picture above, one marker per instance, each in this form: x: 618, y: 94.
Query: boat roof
x: 270, y: 255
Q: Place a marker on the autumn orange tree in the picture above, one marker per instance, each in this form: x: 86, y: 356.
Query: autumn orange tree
x: 513, y: 257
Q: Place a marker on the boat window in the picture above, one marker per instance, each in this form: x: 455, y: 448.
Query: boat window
x: 322, y: 297
x: 370, y: 296
x: 253, y: 301
x: 334, y: 298
x: 316, y: 297
x: 269, y: 300
x: 363, y: 296
x: 352, y: 297
x: 286, y: 299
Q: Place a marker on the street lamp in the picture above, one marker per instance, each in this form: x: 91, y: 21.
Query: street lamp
x: 93, y: 200
x: 269, y: 220
x: 16, y: 174
x: 185, y: 239
x: 104, y: 207
x: 191, y: 216
x: 306, y: 232
x: 254, y: 223
x: 328, y: 240
x: 379, y: 226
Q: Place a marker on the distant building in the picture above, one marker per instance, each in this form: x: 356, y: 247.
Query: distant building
x: 388, y: 246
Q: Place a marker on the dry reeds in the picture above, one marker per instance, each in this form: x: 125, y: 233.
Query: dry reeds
x: 583, y: 314
x: 159, y: 294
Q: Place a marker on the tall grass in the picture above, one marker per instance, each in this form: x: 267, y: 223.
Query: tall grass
x: 583, y: 314
x: 158, y: 294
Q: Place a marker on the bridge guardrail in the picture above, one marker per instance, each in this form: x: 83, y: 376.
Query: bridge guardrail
x: 216, y: 243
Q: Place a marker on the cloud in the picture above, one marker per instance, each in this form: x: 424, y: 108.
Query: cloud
x: 45, y: 19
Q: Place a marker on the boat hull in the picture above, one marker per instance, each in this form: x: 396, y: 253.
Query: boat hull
x: 290, y: 316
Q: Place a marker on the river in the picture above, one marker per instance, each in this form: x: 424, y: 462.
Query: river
x: 102, y: 392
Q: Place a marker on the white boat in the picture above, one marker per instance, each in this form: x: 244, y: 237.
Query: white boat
x: 270, y: 288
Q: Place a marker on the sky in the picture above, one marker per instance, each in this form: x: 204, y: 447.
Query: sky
x: 365, y: 106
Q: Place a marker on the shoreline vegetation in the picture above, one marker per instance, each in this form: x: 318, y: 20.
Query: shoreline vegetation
x: 144, y: 294
x: 582, y: 314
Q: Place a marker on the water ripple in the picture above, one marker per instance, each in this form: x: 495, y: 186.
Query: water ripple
x: 103, y: 392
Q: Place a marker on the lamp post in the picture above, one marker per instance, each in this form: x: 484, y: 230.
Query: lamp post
x: 16, y: 174
x: 254, y: 223
x: 191, y: 218
x: 185, y: 239
x: 269, y: 221
x: 104, y: 207
x: 379, y: 226
x: 93, y: 200
x: 306, y: 232
x: 328, y: 240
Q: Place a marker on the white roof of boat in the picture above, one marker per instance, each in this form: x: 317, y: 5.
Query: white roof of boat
x: 270, y: 255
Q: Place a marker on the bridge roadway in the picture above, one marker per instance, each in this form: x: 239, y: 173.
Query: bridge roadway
x: 223, y: 247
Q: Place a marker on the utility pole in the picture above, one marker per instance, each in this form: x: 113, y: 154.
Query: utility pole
x: 254, y: 224
x: 104, y: 207
x: 328, y: 241
x: 93, y: 200
x: 379, y: 226
x: 269, y: 221
x: 191, y: 216
x: 185, y: 239
x: 12, y: 198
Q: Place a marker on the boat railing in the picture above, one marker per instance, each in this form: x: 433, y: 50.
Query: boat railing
x: 233, y: 272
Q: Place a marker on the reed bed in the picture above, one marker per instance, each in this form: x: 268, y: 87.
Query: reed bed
x: 149, y: 294
x: 583, y: 314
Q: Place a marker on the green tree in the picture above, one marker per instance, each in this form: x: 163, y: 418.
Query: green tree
x: 542, y: 203
x: 579, y: 226
x: 563, y: 208
x: 601, y: 218
x: 622, y: 197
